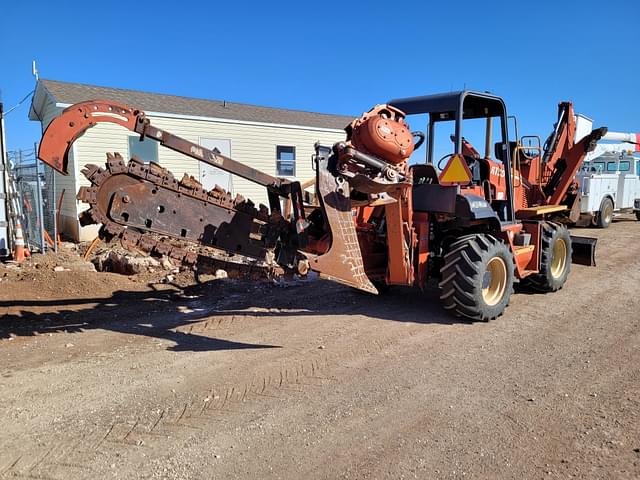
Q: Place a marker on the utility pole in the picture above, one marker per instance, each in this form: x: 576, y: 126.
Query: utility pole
x: 4, y: 172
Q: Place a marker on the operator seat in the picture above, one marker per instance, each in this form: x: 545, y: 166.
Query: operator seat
x: 424, y: 173
x: 428, y: 194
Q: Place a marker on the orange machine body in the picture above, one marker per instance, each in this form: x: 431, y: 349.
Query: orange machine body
x: 382, y: 132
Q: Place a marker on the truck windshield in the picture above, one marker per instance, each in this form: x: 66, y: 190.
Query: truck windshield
x: 623, y: 166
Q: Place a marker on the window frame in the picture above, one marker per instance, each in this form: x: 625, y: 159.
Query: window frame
x: 280, y: 161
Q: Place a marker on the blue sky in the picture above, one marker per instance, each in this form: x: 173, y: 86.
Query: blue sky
x: 336, y: 57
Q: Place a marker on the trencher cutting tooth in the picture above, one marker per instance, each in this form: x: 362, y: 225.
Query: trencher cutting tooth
x: 180, y: 249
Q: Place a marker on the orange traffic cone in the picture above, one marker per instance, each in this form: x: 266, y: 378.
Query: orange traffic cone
x: 21, y: 251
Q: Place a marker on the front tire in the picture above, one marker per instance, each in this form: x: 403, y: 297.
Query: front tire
x: 605, y: 215
x: 477, y: 277
x: 637, y: 212
x: 555, y: 259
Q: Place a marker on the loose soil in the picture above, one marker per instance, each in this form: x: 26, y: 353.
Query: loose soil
x: 111, y: 376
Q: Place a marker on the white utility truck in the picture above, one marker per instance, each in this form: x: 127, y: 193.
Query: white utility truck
x: 610, y: 180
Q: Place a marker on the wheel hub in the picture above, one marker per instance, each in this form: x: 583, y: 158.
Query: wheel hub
x: 494, y: 281
x: 559, y: 259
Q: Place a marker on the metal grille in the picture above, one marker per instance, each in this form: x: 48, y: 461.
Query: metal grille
x: 35, y: 185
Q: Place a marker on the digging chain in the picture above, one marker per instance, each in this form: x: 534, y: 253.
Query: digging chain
x: 187, y: 252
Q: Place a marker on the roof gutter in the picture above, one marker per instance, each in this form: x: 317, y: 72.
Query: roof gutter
x: 229, y: 120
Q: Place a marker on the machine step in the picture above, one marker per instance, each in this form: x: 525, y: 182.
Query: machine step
x: 532, y: 212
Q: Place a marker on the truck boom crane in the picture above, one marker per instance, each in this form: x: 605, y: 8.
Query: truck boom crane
x: 627, y: 142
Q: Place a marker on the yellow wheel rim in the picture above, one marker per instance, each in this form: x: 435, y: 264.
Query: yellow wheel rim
x: 494, y: 282
x: 559, y: 259
x: 607, y: 213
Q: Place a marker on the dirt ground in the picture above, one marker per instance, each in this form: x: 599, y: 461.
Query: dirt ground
x: 109, y: 376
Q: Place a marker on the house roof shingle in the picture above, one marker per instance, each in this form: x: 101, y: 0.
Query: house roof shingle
x: 70, y: 93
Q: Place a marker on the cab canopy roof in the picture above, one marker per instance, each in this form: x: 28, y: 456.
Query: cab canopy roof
x: 443, y: 106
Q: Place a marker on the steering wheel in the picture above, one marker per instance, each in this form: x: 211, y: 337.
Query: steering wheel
x: 471, y: 161
x: 421, y: 139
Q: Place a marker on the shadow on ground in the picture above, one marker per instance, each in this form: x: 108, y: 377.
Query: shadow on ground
x: 157, y: 313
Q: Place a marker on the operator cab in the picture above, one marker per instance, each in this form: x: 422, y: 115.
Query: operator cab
x: 453, y: 120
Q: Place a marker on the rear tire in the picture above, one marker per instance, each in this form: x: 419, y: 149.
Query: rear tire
x: 477, y: 277
x: 555, y: 259
x: 605, y: 215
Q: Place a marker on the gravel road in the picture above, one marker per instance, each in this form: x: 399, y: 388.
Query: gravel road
x: 103, y: 376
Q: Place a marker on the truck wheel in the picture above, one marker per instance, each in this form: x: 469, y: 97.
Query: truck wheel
x: 555, y: 259
x: 477, y: 277
x: 605, y: 215
x: 637, y: 212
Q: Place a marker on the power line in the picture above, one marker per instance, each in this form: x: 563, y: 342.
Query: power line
x: 19, y: 103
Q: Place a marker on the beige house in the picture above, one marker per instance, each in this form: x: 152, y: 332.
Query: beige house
x: 277, y: 141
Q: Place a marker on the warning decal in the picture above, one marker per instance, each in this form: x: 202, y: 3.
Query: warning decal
x: 456, y: 172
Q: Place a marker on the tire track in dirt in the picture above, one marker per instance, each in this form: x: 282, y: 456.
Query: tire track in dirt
x: 171, y: 418
x: 73, y: 455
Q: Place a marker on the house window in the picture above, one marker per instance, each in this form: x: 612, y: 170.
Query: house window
x: 146, y: 150
x: 285, y: 161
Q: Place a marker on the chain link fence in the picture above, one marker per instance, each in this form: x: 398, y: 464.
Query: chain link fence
x: 50, y: 203
x: 36, y: 190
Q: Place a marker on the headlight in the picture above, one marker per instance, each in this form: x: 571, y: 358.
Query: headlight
x: 478, y: 204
